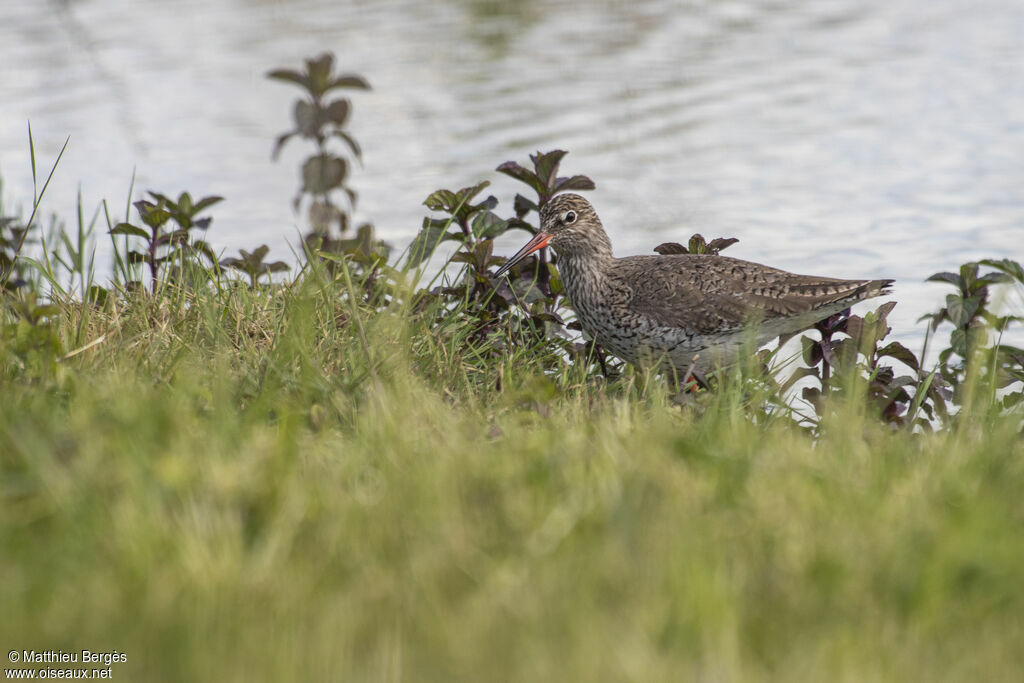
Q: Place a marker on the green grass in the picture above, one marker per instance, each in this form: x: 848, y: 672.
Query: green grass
x: 236, y: 486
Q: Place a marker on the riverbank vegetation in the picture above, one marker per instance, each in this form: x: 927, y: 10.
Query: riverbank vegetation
x: 389, y: 466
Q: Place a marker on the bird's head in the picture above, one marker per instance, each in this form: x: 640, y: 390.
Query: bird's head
x: 569, y: 224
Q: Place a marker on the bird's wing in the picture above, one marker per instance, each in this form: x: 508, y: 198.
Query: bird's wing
x: 710, y: 294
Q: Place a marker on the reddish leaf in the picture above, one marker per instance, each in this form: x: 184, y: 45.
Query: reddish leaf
x: 669, y: 248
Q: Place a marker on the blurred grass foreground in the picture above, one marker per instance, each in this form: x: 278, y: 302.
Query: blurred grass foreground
x: 338, y: 476
x: 284, y: 486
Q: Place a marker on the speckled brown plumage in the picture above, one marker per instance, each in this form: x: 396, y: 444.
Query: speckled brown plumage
x: 665, y: 309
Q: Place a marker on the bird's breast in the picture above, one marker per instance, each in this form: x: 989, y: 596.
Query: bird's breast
x: 606, y: 316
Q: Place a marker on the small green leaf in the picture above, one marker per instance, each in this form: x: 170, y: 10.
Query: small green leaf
x: 97, y: 295
x: 576, y: 182
x: 319, y: 71
x: 129, y: 229
x: 351, y: 142
x: 483, y: 251
x: 546, y: 166
x: 514, y: 170
x: 289, y: 76
x: 279, y: 143
x: 307, y: 118
x: 697, y: 244
x: 958, y: 342
x: 812, y: 395
x: 526, y: 290
x: 811, y: 351
x: 669, y: 248
x: 993, y: 279
x: 555, y: 280
x: 173, y: 237
x: 488, y: 225
x: 961, y: 310
x: 441, y: 223
x: 719, y: 243
x: 184, y: 204
x: 350, y: 81
x: 441, y: 200
x: 968, y: 276
x: 337, y: 111
x: 466, y: 194
x: 523, y: 206
x: 458, y: 204
x: 322, y: 173
x: 945, y: 276
x: 153, y: 216
x: 423, y: 245
x: 202, y: 247
x: 881, y: 313
x: 902, y: 354
x: 353, y: 198
x: 798, y: 374
x: 1011, y: 268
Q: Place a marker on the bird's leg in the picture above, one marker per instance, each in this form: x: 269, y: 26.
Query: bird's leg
x: 698, y: 377
x: 684, y: 387
x: 600, y: 359
x: 700, y: 380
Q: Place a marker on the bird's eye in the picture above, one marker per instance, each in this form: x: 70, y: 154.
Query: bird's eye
x: 569, y: 217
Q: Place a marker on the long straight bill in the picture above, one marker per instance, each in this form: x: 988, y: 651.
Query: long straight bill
x: 539, y: 241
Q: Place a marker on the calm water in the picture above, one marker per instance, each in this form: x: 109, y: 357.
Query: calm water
x: 844, y: 138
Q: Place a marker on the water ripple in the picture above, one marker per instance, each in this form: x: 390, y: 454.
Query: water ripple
x: 830, y: 137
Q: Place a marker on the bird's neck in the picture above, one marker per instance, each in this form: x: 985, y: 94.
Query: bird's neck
x: 583, y: 268
x: 593, y: 249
